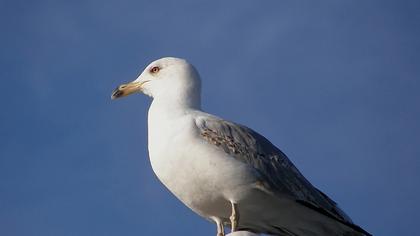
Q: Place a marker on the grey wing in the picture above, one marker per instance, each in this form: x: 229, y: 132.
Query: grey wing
x: 276, y: 171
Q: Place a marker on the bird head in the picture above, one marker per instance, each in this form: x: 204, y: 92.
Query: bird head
x: 167, y: 78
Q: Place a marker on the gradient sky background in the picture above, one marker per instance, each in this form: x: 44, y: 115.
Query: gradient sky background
x: 334, y: 84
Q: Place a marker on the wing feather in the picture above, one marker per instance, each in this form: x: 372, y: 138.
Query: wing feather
x: 276, y: 171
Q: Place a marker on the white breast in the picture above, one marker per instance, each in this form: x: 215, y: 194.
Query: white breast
x: 188, y: 166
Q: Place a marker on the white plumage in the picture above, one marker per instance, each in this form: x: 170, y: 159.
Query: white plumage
x: 223, y: 171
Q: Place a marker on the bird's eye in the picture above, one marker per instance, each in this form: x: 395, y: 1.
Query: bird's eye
x: 154, y: 69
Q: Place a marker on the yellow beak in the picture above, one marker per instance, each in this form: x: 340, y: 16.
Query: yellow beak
x: 126, y: 89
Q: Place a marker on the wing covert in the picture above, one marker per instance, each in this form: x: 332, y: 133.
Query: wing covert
x: 277, y: 172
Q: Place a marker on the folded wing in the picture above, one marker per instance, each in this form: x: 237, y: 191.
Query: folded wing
x: 276, y: 172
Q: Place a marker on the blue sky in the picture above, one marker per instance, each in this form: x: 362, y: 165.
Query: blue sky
x: 334, y: 84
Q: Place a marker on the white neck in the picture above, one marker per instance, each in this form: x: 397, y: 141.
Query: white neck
x: 179, y: 102
x: 167, y: 118
x: 176, y: 100
x: 169, y: 108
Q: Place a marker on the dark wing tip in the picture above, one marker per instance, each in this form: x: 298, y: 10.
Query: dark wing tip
x: 326, y: 213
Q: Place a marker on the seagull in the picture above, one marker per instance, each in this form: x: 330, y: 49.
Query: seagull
x: 223, y: 171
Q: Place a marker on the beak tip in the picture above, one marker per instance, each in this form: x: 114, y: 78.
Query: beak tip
x: 116, y: 94
x: 126, y: 89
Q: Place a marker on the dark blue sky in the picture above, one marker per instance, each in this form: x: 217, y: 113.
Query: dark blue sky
x: 334, y: 84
